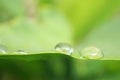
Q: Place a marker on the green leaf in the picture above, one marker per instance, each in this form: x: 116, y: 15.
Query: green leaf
x: 52, y: 27
x: 33, y: 56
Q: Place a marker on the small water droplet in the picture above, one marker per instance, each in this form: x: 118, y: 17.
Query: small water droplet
x: 64, y: 48
x: 3, y: 49
x: 91, y: 53
x: 21, y: 52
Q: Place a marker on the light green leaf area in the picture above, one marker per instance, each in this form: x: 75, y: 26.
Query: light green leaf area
x: 33, y: 36
x: 106, y: 38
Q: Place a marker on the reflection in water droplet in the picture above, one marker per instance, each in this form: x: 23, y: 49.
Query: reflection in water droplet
x: 21, y: 52
x: 91, y: 53
x: 3, y: 49
x: 64, y: 48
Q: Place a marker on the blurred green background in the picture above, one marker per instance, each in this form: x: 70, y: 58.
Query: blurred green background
x: 38, y: 25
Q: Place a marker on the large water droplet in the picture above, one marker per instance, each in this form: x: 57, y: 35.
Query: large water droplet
x: 3, y: 49
x: 21, y: 52
x: 92, y: 53
x: 64, y: 48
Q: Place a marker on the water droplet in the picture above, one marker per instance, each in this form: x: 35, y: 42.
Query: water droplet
x: 21, y: 52
x: 91, y: 53
x: 3, y: 49
x: 64, y: 48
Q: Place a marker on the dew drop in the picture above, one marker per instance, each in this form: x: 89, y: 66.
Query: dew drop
x: 21, y: 52
x: 92, y: 53
x: 64, y: 48
x: 3, y: 49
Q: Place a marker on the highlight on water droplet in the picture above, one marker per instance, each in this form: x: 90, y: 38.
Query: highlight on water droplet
x: 21, y: 52
x: 3, y: 49
x: 91, y: 53
x: 64, y: 48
